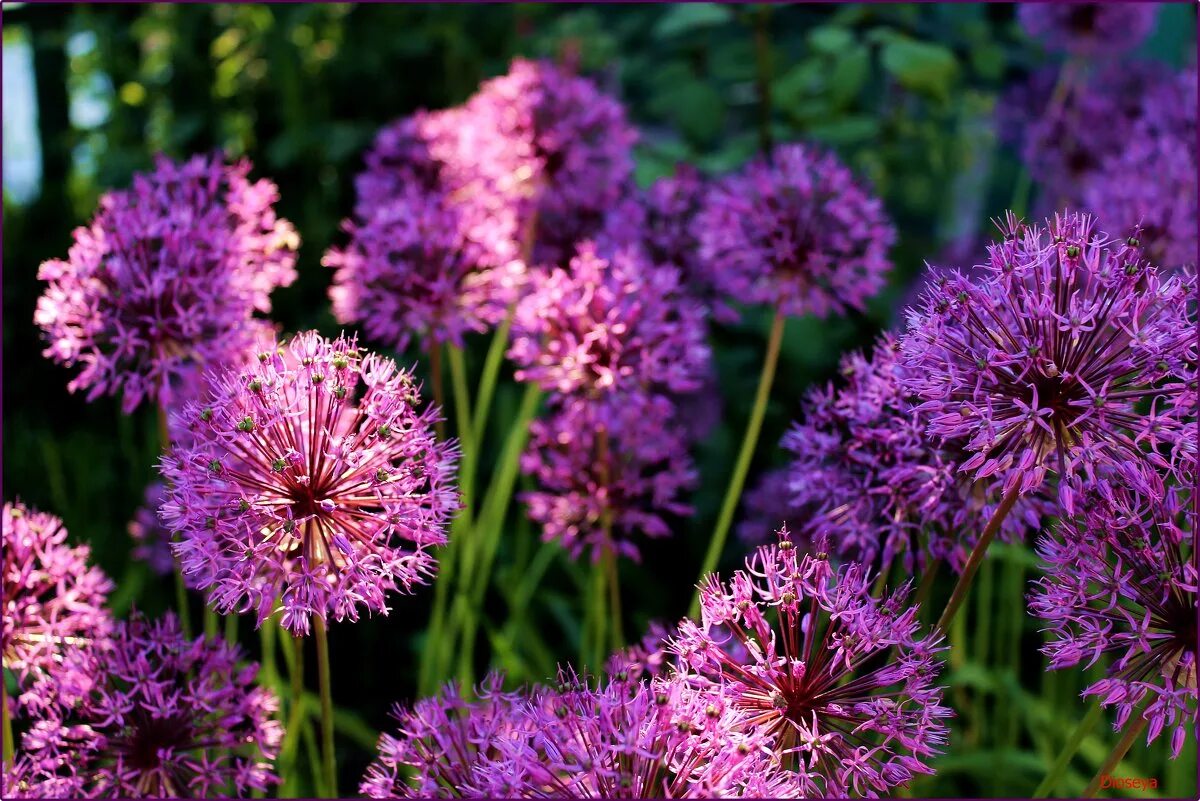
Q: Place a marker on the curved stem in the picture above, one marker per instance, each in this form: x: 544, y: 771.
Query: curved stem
x: 326, y: 691
x: 439, y: 395
x: 491, y: 373
x: 976, y: 558
x: 1082, y: 730
x: 293, y: 653
x: 466, y: 438
x: 1132, y: 731
x: 749, y: 441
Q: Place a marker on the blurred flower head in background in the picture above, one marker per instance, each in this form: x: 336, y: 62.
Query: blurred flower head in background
x: 1096, y: 30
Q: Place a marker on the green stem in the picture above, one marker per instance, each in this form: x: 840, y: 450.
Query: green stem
x: 439, y: 394
x: 210, y: 622
x: 976, y: 558
x: 293, y: 654
x: 1133, y: 730
x: 466, y: 438
x: 1059, y: 768
x: 231, y: 628
x: 749, y: 441
x: 325, y: 687
x: 474, y: 579
x: 491, y: 373
x: 266, y: 639
x: 595, y: 631
x: 181, y: 601
x: 614, y: 595
x: 927, y: 581
x: 7, y: 732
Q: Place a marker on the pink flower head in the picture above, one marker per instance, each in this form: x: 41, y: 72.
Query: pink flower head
x: 53, y: 600
x: 1037, y: 364
x: 1088, y: 29
x: 1120, y: 580
x: 148, y: 714
x: 444, y: 746
x: 554, y: 145
x: 844, y: 716
x: 607, y: 472
x: 421, y: 263
x: 865, y: 474
x: 798, y: 231
x: 606, y: 325
x: 163, y: 283
x: 312, y: 484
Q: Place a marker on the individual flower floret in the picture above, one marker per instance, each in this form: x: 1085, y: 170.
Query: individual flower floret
x: 163, y: 283
x: 149, y: 714
x: 796, y: 231
x: 312, y: 484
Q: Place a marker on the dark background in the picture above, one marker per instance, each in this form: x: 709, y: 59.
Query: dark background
x: 904, y: 93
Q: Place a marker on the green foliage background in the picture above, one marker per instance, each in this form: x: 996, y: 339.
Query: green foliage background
x: 904, y: 93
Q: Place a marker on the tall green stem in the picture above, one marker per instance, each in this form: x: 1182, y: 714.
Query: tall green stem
x: 439, y: 394
x: 1133, y: 730
x: 294, y: 656
x: 749, y: 441
x: 431, y: 666
x: 6, y: 719
x: 976, y: 558
x: 466, y: 437
x: 614, y: 596
x: 326, y: 690
x: 1059, y: 768
x: 210, y: 622
x: 491, y: 372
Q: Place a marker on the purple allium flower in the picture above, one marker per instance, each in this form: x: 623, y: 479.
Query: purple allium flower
x: 313, y: 484
x: 445, y: 746
x: 162, y: 285
x: 406, y: 154
x: 152, y: 537
x: 1038, y: 364
x: 797, y: 231
x: 607, y: 325
x: 845, y: 717
x: 865, y: 474
x: 421, y: 263
x: 647, y: 658
x: 149, y: 714
x: 1120, y: 579
x: 624, y: 463
x: 1088, y: 29
x: 552, y: 143
x: 53, y: 599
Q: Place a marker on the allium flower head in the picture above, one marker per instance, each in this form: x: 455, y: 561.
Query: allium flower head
x: 53, y: 600
x: 844, y: 716
x: 865, y: 474
x: 1037, y: 364
x: 162, y: 284
x: 444, y: 746
x: 647, y: 658
x: 149, y: 715
x: 1120, y: 580
x: 607, y: 325
x: 313, y: 484
x: 797, y: 231
x: 407, y: 154
x: 555, y: 145
x: 421, y: 263
x: 152, y: 538
x: 607, y: 472
x: 1088, y: 29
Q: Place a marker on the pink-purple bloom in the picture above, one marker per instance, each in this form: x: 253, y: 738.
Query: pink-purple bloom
x: 148, y: 714
x: 607, y: 472
x: 843, y: 715
x: 1037, y: 364
x: 163, y: 284
x: 1088, y: 29
x: 312, y: 484
x: 796, y: 231
x: 1120, y: 581
x: 865, y: 473
x: 53, y: 599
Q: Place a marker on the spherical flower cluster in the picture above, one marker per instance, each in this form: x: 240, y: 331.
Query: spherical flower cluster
x: 607, y: 325
x: 422, y: 263
x: 796, y: 231
x: 447, y: 746
x: 844, y: 716
x: 1120, y: 579
x: 149, y: 714
x: 607, y: 472
x: 552, y: 143
x: 152, y: 538
x: 162, y: 285
x: 865, y: 474
x: 1088, y: 29
x: 53, y: 600
x: 1037, y: 365
x: 407, y: 154
x: 312, y: 484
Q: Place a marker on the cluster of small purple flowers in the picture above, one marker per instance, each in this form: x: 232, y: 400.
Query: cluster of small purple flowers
x: 796, y: 683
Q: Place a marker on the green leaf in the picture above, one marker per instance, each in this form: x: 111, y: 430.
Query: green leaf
x: 830, y: 39
x: 921, y: 67
x: 690, y: 16
x: 847, y: 130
